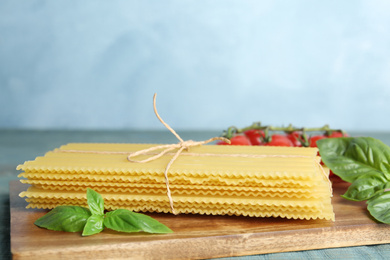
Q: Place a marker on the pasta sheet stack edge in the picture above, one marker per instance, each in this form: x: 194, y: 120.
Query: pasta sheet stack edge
x: 256, y: 181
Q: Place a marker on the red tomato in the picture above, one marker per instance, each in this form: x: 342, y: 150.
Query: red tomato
x: 254, y: 136
x: 279, y: 140
x: 294, y: 138
x: 237, y: 140
x: 314, y: 139
x: 338, y: 134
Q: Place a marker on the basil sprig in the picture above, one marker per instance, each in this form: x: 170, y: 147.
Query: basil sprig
x: 93, y: 220
x: 365, y: 163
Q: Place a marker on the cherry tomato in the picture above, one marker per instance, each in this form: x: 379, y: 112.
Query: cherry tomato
x: 314, y: 139
x: 294, y: 138
x: 338, y: 134
x: 237, y: 140
x: 255, y: 136
x: 279, y: 140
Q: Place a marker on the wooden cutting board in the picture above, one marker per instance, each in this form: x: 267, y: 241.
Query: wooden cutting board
x: 197, y: 236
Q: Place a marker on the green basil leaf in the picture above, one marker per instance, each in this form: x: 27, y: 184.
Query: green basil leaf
x: 365, y: 187
x: 124, y: 220
x: 95, y: 202
x: 65, y: 218
x: 94, y: 225
x: 121, y: 220
x: 379, y: 207
x: 352, y: 157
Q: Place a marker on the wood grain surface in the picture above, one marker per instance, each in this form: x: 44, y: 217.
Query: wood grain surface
x: 197, y: 236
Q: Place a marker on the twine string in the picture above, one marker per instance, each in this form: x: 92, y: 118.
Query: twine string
x: 181, y: 146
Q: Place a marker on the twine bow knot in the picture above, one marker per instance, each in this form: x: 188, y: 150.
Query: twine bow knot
x: 180, y: 146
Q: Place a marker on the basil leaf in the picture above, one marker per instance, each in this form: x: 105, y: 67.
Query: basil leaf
x: 124, y: 220
x: 65, y: 218
x: 95, y: 202
x: 94, y: 225
x: 365, y: 187
x: 121, y: 220
x: 379, y: 207
x: 350, y: 157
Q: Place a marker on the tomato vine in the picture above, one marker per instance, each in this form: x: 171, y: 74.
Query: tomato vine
x: 258, y: 134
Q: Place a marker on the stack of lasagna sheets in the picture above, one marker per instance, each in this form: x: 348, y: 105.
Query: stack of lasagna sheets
x: 210, y: 179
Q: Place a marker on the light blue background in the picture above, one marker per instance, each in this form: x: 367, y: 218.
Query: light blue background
x: 213, y: 64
